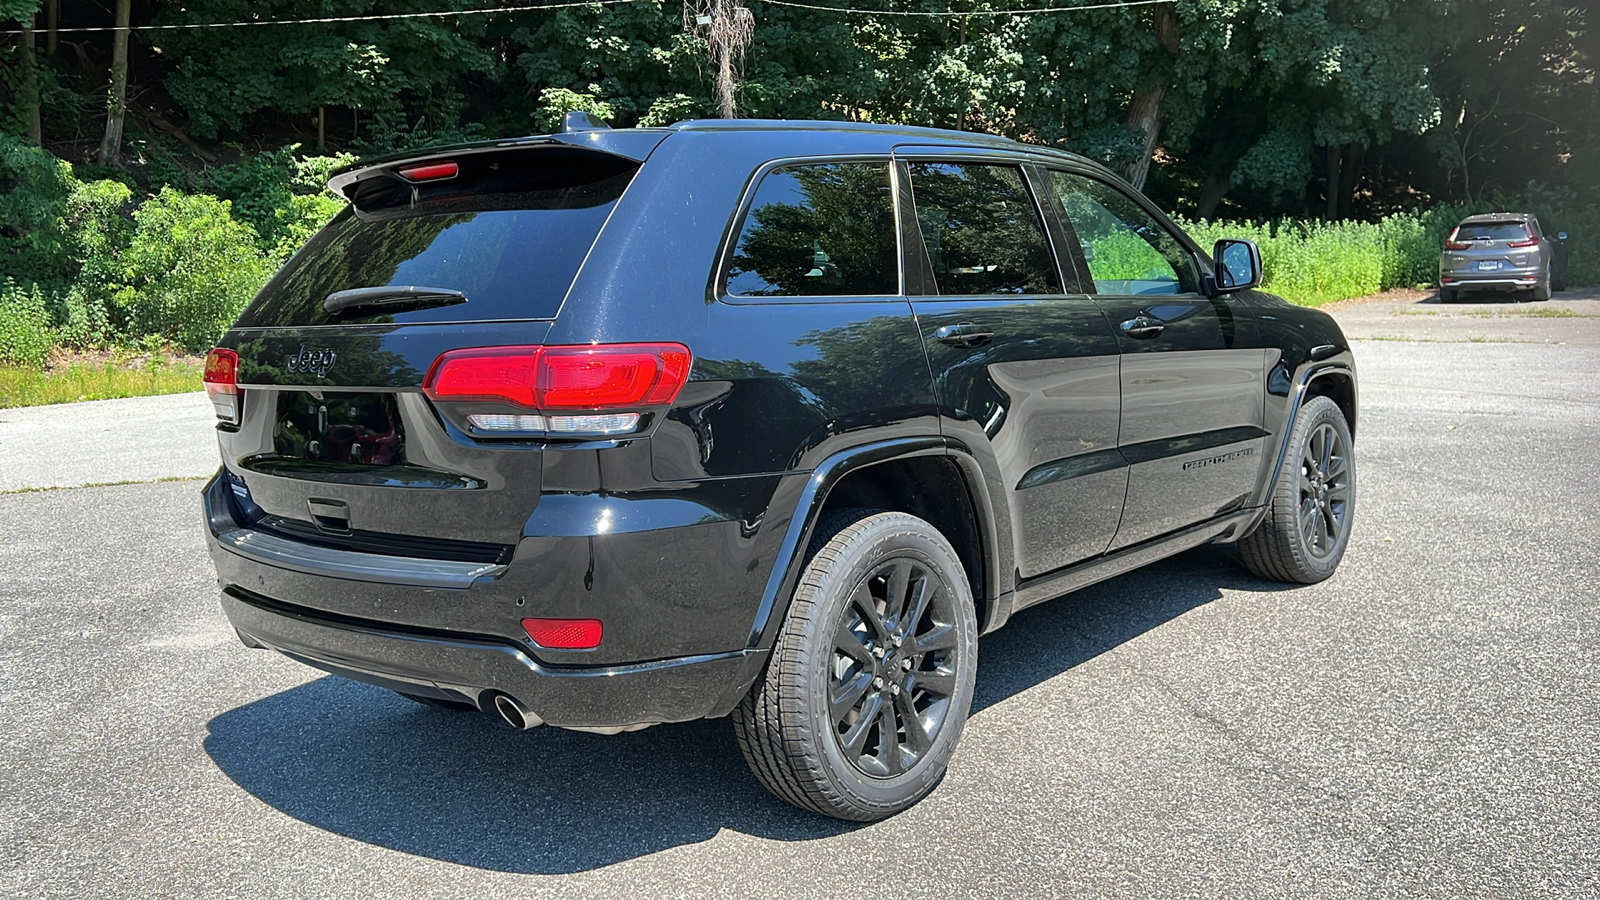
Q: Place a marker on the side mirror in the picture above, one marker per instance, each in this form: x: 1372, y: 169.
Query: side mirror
x: 1561, y: 235
x: 1237, y: 264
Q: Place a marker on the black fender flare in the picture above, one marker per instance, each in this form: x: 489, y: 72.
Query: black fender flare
x: 1340, y: 364
x: 804, y: 512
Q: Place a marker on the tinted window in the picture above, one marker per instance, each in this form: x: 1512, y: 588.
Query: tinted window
x: 1127, y: 250
x: 982, y: 230
x: 819, y: 231
x: 512, y: 263
x: 1492, y: 231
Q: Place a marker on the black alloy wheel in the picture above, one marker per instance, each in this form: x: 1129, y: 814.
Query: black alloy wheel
x: 870, y: 681
x: 1310, y: 510
x: 894, y: 667
x: 1325, y: 490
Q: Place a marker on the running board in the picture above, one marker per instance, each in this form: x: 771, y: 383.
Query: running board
x: 1048, y: 587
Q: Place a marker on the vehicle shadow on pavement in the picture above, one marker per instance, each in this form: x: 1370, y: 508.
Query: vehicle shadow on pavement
x: 362, y: 762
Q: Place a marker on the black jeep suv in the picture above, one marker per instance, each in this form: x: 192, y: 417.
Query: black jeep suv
x: 610, y: 428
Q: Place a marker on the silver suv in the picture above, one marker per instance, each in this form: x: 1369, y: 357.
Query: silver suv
x: 1500, y: 252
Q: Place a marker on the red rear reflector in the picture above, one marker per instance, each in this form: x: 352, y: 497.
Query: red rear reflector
x: 430, y: 171
x: 564, y: 634
x: 222, y: 372
x: 598, y: 376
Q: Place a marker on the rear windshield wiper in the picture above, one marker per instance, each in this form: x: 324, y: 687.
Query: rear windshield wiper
x: 409, y: 296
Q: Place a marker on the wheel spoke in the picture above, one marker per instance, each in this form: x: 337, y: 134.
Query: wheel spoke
x: 926, y: 590
x: 939, y: 637
x: 1324, y: 538
x: 862, y: 599
x: 1325, y: 453
x: 889, y: 740
x: 938, y: 683
x: 918, y: 741
x: 846, y: 641
x: 894, y: 600
x: 855, y: 739
x: 847, y: 695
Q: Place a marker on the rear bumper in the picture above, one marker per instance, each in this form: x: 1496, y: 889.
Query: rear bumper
x: 1489, y: 281
x: 475, y: 669
x: 415, y: 626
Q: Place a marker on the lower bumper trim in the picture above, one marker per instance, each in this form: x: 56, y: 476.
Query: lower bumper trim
x: 673, y: 690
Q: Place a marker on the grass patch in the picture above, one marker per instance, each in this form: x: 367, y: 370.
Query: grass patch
x: 98, y: 377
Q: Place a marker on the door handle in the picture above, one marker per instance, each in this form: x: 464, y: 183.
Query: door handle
x: 965, y: 335
x: 1142, y: 327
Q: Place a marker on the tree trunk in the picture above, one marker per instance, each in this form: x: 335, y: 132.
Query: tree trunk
x: 1144, y: 117
x: 30, y: 84
x: 1211, y: 194
x: 1144, y: 113
x: 1350, y: 179
x: 322, y: 129
x: 117, y: 102
x: 52, y: 16
x: 1333, y: 181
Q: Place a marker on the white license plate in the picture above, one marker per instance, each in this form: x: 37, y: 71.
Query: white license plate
x: 1488, y: 266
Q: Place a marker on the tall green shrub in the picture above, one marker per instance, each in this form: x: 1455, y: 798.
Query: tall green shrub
x: 190, y: 269
x: 25, y: 337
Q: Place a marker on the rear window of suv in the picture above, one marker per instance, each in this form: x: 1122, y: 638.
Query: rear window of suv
x: 513, y: 245
x: 1492, y: 231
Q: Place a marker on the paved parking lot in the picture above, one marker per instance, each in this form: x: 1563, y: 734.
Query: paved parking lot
x: 1426, y: 723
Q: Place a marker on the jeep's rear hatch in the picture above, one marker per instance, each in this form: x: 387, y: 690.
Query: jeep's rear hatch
x: 327, y: 434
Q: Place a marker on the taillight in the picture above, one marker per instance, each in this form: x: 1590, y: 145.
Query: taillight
x: 610, y: 383
x: 222, y: 383
x: 1450, y: 243
x: 564, y: 634
x: 430, y: 171
x: 1530, y: 242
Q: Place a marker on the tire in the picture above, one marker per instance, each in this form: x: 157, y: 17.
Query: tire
x: 910, y: 668
x: 1312, y: 503
x: 1447, y: 295
x: 1541, y: 291
x: 439, y: 703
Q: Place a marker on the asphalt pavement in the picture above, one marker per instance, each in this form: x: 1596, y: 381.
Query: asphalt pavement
x: 1423, y: 724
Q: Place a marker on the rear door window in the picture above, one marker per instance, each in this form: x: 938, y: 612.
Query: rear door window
x: 982, y: 230
x: 819, y: 230
x: 513, y: 252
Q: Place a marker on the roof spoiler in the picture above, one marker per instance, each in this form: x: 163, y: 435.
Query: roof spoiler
x: 579, y: 130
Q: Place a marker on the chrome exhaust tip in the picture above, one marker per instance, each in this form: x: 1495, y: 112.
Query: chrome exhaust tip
x: 515, y: 714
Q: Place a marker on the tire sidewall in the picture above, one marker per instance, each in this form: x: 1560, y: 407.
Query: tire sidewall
x: 885, y: 535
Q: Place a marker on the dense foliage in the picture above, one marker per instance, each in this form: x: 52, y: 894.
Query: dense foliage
x: 1354, y: 129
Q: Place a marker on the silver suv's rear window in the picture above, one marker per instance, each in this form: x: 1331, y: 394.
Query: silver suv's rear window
x: 513, y: 250
x: 1492, y: 231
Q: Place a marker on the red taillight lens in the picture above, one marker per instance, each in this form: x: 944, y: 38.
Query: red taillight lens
x: 598, y: 376
x: 221, y: 379
x: 1530, y: 242
x: 606, y: 376
x: 497, y: 373
x: 564, y: 634
x: 1450, y: 243
x: 222, y: 372
x: 430, y: 171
